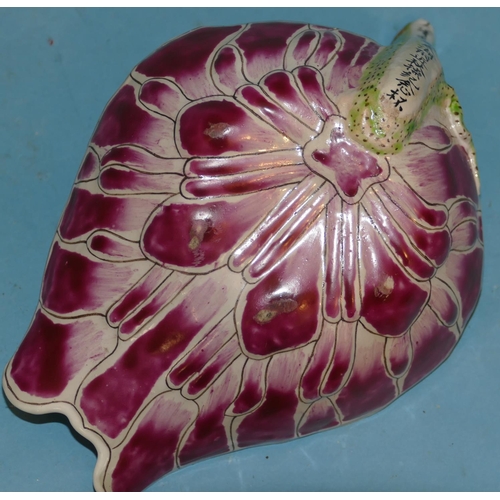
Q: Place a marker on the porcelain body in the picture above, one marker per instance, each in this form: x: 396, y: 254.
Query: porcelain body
x: 275, y: 231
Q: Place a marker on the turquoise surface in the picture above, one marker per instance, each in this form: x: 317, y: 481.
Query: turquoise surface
x: 58, y: 68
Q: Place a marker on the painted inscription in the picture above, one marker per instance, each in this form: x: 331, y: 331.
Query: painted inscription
x: 413, y: 71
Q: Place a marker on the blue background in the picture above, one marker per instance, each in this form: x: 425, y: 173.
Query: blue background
x: 58, y: 68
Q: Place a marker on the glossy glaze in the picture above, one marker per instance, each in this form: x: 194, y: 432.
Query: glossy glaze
x: 275, y: 231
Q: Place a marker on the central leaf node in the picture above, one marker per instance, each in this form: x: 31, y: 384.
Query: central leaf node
x: 341, y: 161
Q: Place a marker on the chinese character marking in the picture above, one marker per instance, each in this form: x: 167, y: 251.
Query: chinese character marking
x: 393, y: 94
x: 414, y: 70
